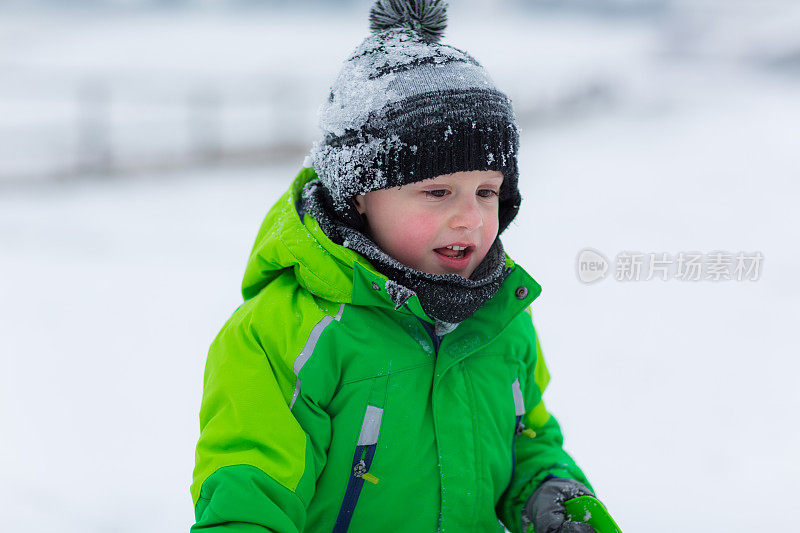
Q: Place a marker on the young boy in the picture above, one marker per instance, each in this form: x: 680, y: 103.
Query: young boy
x: 382, y: 373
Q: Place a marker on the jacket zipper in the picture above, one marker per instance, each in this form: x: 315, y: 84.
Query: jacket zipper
x: 513, y: 450
x: 362, y: 461
x: 436, y: 339
x: 519, y: 429
x: 358, y: 474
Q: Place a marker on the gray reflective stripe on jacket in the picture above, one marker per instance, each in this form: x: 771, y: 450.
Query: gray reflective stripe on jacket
x: 308, y: 349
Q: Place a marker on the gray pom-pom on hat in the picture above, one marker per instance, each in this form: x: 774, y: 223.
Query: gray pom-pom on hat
x: 426, y: 17
x: 405, y: 108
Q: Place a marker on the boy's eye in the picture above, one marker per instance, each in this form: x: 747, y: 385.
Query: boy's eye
x: 437, y: 193
x: 487, y: 193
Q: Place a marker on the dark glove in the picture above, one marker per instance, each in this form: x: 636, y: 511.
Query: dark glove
x: 545, y: 508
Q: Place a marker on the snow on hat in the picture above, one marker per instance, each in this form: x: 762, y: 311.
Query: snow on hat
x: 405, y: 108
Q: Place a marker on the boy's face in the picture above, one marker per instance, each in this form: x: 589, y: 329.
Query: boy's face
x: 416, y: 223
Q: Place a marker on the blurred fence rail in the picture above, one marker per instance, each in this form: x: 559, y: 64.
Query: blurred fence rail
x: 96, y: 128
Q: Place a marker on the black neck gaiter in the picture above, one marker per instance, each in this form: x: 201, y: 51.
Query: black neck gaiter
x: 447, y: 298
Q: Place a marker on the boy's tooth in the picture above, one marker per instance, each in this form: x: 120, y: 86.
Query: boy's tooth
x: 458, y: 253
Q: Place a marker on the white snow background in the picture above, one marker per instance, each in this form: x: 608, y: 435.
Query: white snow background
x: 661, y: 133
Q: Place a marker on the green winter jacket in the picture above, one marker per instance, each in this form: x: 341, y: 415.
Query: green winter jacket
x: 326, y: 409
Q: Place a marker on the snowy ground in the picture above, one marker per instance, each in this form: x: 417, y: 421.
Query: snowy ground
x: 678, y: 399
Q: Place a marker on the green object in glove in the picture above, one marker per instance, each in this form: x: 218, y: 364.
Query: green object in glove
x: 589, y: 510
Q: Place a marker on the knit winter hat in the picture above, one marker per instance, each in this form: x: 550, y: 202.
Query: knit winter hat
x: 405, y: 108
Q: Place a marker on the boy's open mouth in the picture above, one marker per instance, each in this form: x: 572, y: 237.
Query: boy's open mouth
x: 454, y: 251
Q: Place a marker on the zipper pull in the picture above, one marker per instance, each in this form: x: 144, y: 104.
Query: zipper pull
x: 369, y: 477
x: 522, y: 430
x: 360, y: 470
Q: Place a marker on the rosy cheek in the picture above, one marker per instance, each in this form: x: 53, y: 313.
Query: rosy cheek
x: 490, y: 227
x: 491, y: 230
x: 417, y: 235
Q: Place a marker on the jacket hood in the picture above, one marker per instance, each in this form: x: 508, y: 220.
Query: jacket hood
x: 288, y: 239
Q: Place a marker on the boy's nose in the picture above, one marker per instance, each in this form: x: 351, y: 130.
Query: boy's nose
x: 467, y: 215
